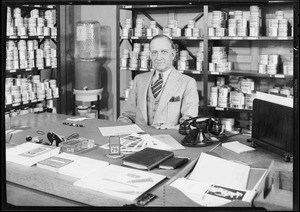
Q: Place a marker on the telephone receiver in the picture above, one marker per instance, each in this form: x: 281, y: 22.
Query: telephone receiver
x: 195, y: 129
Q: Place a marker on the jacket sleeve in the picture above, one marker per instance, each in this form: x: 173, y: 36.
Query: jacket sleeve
x: 190, y: 101
x: 128, y: 114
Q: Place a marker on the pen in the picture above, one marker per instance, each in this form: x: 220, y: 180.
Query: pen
x: 220, y: 143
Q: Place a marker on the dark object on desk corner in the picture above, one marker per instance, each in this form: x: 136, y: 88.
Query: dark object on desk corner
x: 196, y: 137
x: 143, y: 200
x: 147, y: 158
x: 173, y: 163
x: 273, y: 130
x: 53, y: 137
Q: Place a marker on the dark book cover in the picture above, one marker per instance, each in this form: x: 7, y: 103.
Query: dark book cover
x: 147, y: 158
x: 173, y: 163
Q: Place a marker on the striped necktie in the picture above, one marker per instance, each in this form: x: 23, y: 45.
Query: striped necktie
x: 157, y: 86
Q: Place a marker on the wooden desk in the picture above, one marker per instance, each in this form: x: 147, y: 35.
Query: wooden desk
x: 32, y: 186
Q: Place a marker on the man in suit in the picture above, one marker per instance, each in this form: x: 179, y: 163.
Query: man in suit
x: 162, y: 98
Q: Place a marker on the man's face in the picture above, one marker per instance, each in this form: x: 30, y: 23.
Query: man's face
x: 162, y: 54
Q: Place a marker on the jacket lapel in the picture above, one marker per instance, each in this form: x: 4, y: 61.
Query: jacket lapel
x: 143, y: 94
x: 168, y: 92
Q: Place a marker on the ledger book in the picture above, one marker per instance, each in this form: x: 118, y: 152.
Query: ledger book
x: 147, y: 158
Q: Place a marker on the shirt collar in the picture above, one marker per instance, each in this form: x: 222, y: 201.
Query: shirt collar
x: 165, y: 74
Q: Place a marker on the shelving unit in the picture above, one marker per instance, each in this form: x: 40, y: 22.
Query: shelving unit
x: 32, y: 59
x: 246, y: 46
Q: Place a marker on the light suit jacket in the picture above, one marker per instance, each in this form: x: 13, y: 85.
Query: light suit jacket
x: 179, y: 100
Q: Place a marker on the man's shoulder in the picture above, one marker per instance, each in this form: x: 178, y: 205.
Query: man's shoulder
x: 183, y: 76
x: 143, y: 75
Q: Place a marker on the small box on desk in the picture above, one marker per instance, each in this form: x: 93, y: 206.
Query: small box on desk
x: 277, y: 191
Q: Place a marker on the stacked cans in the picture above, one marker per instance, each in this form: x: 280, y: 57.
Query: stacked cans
x: 255, y: 22
x: 152, y: 30
x: 35, y: 25
x: 172, y: 29
x: 127, y: 28
x: 191, y: 30
x: 288, y: 65
x: 246, y: 85
x: 249, y: 97
x: 183, y: 62
x: 278, y: 26
x: 218, y: 24
x: 268, y: 64
x: 200, y: 57
x: 219, y: 61
x: 138, y: 58
x: 237, y: 99
x: 125, y: 58
x: 223, y: 96
x: 139, y: 29
x: 19, y: 90
x: 213, y: 99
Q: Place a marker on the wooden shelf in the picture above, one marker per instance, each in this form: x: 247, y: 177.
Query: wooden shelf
x: 26, y: 37
x: 251, y: 74
x: 229, y: 109
x: 12, y: 71
x: 249, y: 38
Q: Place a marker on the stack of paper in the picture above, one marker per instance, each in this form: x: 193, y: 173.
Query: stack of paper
x: 237, y: 147
x: 82, y: 166
x: 127, y: 184
x: 215, y: 181
x: 29, y: 154
x: 212, y: 195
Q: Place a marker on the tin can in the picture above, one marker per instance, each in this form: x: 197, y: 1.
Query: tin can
x: 262, y: 68
x: 247, y: 85
x: 211, y: 31
x: 237, y: 99
x: 272, y: 68
x: 188, y: 32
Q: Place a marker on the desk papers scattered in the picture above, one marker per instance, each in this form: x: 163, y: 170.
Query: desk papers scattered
x: 82, y: 166
x: 237, y: 147
x: 137, y: 142
x: 127, y: 184
x: 120, y: 130
x: 170, y: 141
x: 54, y: 163
x: 211, y: 195
x: 216, y: 181
x: 215, y: 170
x: 29, y: 154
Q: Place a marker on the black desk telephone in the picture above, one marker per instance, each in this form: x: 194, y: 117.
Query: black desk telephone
x: 197, y: 128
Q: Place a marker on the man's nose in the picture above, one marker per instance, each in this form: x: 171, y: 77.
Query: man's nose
x: 159, y: 56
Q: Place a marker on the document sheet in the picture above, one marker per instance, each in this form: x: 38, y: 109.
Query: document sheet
x: 127, y: 184
x: 120, y: 130
x: 215, y: 170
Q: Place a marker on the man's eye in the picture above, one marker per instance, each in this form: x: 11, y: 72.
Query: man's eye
x: 164, y: 51
x: 153, y: 53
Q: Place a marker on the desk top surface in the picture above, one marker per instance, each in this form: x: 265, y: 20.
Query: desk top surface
x: 62, y: 186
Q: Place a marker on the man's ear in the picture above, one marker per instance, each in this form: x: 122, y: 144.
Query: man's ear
x: 173, y: 54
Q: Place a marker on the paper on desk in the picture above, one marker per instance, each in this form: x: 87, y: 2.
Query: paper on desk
x: 237, y: 147
x: 169, y: 140
x: 136, y: 142
x: 126, y: 184
x: 207, y: 194
x: 215, y: 170
x: 120, y: 130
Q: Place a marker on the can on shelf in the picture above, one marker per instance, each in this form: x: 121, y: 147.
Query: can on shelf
x: 237, y: 99
x: 249, y: 100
